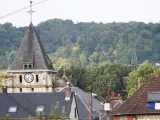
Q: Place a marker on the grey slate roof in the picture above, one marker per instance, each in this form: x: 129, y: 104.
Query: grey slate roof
x: 82, y: 99
x: 31, y: 51
x: 26, y: 103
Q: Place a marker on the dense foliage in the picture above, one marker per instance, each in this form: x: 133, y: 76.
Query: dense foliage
x: 2, y: 79
x: 99, y: 77
x: 139, y: 76
x: 87, y: 44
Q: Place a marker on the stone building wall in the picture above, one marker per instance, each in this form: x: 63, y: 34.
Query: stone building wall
x: 123, y: 118
x: 148, y: 117
x: 43, y: 84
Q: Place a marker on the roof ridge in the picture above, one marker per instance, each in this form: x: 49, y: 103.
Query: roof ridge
x: 42, y: 49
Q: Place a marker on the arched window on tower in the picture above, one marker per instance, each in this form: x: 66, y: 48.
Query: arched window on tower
x: 20, y: 89
x: 37, y: 78
x: 20, y: 78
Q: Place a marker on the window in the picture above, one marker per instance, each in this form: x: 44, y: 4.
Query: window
x: 40, y: 108
x: 32, y: 89
x: 25, y: 66
x: 20, y: 78
x: 37, y: 78
x: 20, y: 90
x: 30, y: 66
x: 12, y: 109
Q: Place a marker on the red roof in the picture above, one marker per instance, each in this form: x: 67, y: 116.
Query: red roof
x: 138, y: 104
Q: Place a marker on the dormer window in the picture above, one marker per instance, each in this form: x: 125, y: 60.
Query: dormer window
x: 28, y: 66
x: 12, y: 109
x: 40, y: 108
x: 25, y: 66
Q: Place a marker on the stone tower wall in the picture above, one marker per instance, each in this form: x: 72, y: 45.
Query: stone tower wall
x: 44, y: 83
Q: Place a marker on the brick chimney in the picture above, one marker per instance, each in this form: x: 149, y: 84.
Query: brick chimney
x: 119, y: 97
x: 113, y: 97
x: 67, y: 92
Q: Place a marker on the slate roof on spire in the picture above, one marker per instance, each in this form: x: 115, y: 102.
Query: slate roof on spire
x: 138, y: 103
x: 31, y: 51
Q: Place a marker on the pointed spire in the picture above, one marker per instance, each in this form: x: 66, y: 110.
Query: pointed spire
x: 31, y: 52
x: 31, y: 11
x: 134, y: 56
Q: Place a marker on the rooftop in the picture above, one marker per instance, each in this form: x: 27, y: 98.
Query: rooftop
x: 138, y: 103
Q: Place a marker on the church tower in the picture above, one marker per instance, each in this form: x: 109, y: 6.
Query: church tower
x: 32, y: 70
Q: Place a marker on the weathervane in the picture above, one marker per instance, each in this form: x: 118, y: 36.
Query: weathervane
x: 31, y: 11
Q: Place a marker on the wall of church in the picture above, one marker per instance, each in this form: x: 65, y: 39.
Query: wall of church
x: 41, y: 82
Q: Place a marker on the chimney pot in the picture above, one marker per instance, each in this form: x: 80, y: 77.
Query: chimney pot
x: 119, y: 96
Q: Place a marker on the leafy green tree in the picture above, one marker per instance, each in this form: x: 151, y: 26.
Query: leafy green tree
x: 2, y: 79
x: 139, y: 76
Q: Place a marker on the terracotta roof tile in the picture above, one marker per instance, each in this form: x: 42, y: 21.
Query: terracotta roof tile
x: 138, y: 104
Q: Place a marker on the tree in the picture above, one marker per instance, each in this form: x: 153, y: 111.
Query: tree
x: 2, y: 79
x: 139, y: 76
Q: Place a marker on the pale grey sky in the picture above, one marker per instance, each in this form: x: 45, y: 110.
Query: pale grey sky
x: 82, y: 10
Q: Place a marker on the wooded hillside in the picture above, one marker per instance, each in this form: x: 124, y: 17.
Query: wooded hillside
x: 87, y: 44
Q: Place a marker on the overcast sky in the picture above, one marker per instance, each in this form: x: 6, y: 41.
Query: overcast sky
x: 82, y: 10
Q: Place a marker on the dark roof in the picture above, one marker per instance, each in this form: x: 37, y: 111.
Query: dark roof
x: 138, y: 103
x: 26, y: 103
x: 31, y: 51
x: 82, y: 99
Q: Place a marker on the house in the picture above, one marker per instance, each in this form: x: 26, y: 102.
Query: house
x: 144, y: 104
x: 82, y: 100
x: 26, y: 106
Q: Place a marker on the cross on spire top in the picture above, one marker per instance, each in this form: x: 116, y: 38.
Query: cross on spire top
x: 31, y: 11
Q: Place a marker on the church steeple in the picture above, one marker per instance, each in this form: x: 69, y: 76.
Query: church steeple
x: 32, y: 53
x: 32, y: 70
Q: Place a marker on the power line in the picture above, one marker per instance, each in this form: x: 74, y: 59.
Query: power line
x: 21, y: 9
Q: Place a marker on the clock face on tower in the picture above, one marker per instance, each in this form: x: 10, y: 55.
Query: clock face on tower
x: 28, y: 77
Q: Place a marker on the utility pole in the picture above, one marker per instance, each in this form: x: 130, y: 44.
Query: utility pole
x: 108, y: 100
x: 90, y: 104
